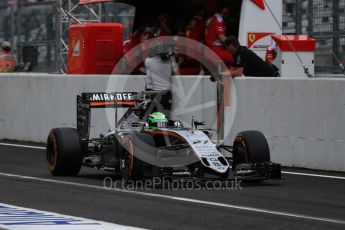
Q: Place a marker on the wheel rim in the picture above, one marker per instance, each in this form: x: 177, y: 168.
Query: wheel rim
x: 242, y: 151
x: 51, y: 152
x: 128, y: 160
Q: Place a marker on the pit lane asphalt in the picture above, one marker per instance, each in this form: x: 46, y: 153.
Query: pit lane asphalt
x: 300, y: 195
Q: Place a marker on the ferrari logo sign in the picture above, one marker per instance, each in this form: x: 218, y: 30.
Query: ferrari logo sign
x: 259, y: 40
x: 251, y: 37
x: 260, y: 3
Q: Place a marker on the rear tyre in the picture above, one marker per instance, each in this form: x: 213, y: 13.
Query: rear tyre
x: 64, y: 152
x: 250, y: 147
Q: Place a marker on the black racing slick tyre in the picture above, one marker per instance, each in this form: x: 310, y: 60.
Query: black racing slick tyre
x: 64, y: 152
x: 250, y: 147
x: 132, y: 168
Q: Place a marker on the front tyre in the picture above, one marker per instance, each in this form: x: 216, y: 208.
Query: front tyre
x: 64, y: 152
x: 250, y: 147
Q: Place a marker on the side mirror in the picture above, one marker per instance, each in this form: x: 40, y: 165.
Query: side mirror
x: 178, y: 124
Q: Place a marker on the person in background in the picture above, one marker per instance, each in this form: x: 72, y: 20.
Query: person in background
x: 149, y: 33
x: 246, y: 62
x: 159, y: 68
x: 215, y: 33
x: 133, y: 40
x: 271, y: 53
x: 164, y: 28
x: 195, y: 30
x: 8, y: 61
x: 196, y: 27
x: 149, y: 30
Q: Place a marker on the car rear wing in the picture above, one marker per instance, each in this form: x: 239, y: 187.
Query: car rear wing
x: 88, y: 101
x: 109, y: 100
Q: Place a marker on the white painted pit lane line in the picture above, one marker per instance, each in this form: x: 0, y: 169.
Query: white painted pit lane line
x: 19, y: 218
x: 187, y: 200
x: 284, y: 172
x: 22, y: 146
x: 313, y: 175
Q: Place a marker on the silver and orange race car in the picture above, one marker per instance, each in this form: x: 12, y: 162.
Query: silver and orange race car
x: 135, y: 150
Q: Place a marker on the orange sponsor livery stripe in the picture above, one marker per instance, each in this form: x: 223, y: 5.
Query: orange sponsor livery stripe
x: 103, y: 103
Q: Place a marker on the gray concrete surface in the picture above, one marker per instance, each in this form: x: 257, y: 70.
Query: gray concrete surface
x: 320, y: 198
x: 303, y: 120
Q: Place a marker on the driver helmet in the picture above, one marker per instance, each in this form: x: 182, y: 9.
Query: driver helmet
x: 157, y: 120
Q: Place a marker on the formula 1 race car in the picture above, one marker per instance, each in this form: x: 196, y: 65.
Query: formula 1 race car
x: 147, y: 144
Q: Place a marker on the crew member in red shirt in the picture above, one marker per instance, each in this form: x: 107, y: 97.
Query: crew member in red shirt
x: 133, y: 40
x: 164, y: 29
x: 271, y: 53
x: 215, y: 34
x: 7, y: 59
x: 196, y: 28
